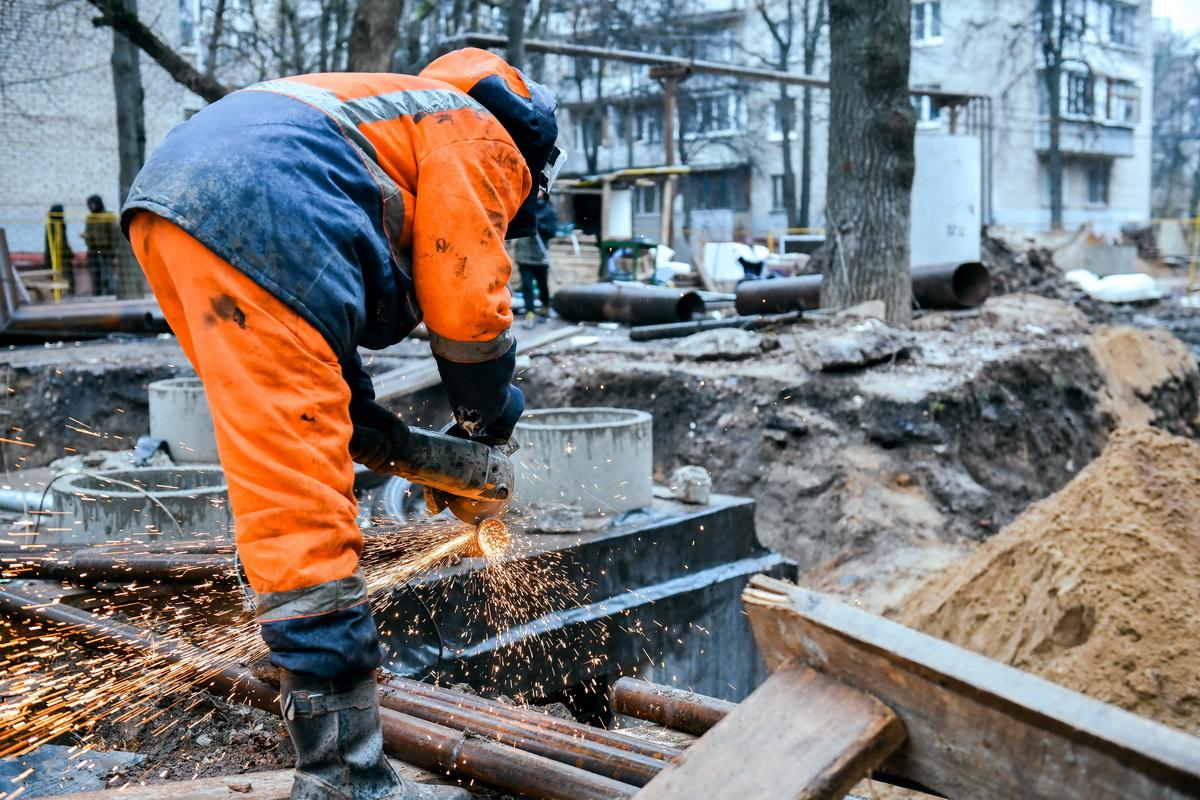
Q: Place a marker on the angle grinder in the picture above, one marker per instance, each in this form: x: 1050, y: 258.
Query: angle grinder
x: 474, y: 479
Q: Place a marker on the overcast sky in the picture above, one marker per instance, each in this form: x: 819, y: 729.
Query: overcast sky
x: 1184, y: 14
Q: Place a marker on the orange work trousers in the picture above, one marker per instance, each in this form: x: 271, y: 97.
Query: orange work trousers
x: 280, y: 409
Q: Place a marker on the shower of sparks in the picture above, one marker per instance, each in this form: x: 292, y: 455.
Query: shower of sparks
x: 50, y: 685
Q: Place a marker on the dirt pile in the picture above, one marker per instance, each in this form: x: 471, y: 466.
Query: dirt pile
x: 1137, y: 366
x: 1096, y: 587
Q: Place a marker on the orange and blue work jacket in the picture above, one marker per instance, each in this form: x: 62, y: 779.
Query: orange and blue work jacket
x: 367, y: 202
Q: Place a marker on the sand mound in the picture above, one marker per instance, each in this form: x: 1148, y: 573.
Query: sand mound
x: 1134, y: 364
x: 1096, y: 587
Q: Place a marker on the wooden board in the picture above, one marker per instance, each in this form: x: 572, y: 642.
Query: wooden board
x: 800, y: 735
x: 976, y: 728
x: 274, y: 785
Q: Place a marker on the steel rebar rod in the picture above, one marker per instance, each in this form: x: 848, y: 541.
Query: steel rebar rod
x: 578, y: 751
x: 417, y: 741
x: 620, y: 741
x: 672, y: 708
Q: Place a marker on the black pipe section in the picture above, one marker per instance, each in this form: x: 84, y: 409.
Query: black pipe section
x: 674, y: 330
x: 947, y: 286
x: 633, y: 305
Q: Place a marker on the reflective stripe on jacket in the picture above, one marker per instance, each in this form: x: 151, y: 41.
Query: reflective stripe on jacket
x: 364, y: 201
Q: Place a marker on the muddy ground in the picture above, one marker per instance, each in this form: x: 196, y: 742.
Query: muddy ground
x: 877, y: 455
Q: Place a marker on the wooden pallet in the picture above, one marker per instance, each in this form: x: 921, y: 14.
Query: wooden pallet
x: 851, y: 692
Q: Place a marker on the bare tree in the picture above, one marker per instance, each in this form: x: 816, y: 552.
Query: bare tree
x: 871, y: 159
x: 794, y: 25
x: 1054, y: 31
x: 123, y: 19
x: 1176, y: 132
x: 515, y: 30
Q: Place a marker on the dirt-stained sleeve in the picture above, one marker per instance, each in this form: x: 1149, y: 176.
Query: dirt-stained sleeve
x: 466, y: 194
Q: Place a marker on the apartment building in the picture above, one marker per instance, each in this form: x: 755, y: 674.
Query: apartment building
x: 979, y: 62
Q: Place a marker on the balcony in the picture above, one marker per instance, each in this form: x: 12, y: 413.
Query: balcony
x: 1089, y: 138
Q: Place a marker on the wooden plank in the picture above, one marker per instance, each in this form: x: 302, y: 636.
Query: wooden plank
x: 274, y: 785
x: 800, y: 735
x: 976, y: 728
x: 401, y: 383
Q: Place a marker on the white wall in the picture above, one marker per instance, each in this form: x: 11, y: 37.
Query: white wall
x: 58, y: 140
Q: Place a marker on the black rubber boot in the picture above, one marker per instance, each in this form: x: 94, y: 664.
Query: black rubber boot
x: 339, y: 744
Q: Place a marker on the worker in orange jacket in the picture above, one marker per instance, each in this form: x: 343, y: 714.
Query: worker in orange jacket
x: 281, y: 228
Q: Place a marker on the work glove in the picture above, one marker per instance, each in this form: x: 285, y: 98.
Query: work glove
x: 498, y: 435
x: 379, y: 435
x: 481, y: 394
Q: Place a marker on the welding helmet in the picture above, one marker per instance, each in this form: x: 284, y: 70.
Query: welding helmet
x: 523, y: 106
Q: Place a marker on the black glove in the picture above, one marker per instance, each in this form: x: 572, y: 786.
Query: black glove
x: 379, y: 435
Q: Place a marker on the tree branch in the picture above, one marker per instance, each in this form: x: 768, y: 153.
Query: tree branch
x: 128, y: 25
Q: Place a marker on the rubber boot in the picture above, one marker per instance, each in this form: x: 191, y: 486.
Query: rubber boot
x: 339, y: 744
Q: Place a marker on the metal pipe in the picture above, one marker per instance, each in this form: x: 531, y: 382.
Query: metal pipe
x: 90, y: 567
x: 672, y: 708
x: 416, y: 741
x: 948, y: 286
x: 94, y: 317
x: 439, y: 749
x: 635, y: 305
x: 674, y: 330
x: 580, y: 752
x: 17, y: 500
x: 482, y: 705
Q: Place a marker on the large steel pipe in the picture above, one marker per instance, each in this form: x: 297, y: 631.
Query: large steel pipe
x: 634, y: 305
x: 672, y: 708
x: 417, y: 741
x: 948, y: 286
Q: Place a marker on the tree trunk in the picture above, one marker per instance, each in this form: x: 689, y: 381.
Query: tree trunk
x: 871, y: 160
x: 812, y: 39
x: 214, y: 40
x: 1054, y: 157
x: 516, y: 32
x: 374, y: 32
x: 131, y: 139
x: 806, y: 125
x: 787, y: 122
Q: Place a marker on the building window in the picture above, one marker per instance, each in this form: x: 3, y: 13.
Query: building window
x: 1081, y: 93
x: 1098, y: 173
x: 647, y: 125
x: 929, y: 111
x: 927, y: 21
x: 723, y: 189
x: 189, y: 24
x: 1122, y: 24
x: 777, y: 199
x: 645, y: 199
x: 712, y: 114
x: 778, y: 118
x: 1123, y: 101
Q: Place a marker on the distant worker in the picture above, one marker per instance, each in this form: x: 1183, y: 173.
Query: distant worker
x: 101, y: 234
x: 533, y: 261
x: 60, y: 258
x: 281, y: 228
